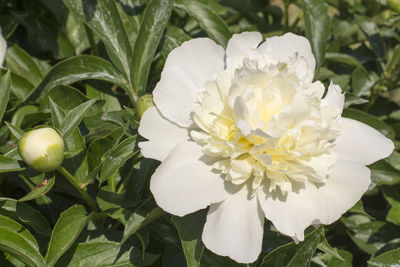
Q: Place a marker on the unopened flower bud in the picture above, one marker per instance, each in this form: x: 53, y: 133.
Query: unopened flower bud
x: 394, y: 5
x: 42, y: 149
x: 144, y: 102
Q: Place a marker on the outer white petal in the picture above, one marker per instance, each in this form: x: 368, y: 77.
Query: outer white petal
x: 163, y: 135
x: 361, y: 143
x: 234, y: 227
x: 183, y: 183
x: 3, y: 48
x: 313, y: 205
x: 186, y: 70
x: 283, y: 48
x: 334, y: 96
x: 240, y: 46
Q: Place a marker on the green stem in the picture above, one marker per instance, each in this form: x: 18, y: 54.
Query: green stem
x: 93, y: 46
x: 72, y: 180
x: 285, y: 16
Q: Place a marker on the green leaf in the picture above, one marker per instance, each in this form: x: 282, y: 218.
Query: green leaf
x: 9, y: 165
x: 20, y: 87
x: 65, y: 96
x: 155, y: 19
x: 190, y: 228
x: 131, y: 257
x: 393, y: 215
x: 76, y: 69
x: 384, y: 174
x: 69, y: 225
x: 74, y: 117
x: 4, y: 93
x: 105, y: 253
x: 137, y: 221
x: 361, y: 82
x: 6, y: 222
x: 130, y: 18
x: 389, y: 258
x: 212, y: 24
x: 17, y: 241
x: 26, y: 214
x: 292, y: 254
x: 394, y: 160
x: 370, y: 29
x: 373, y: 236
x: 40, y: 189
x: 326, y: 247
x: 17, y: 132
x: 117, y: 205
x: 394, y: 60
x: 117, y: 157
x: 100, y: 147
x: 21, y: 63
x: 75, y: 31
x: 52, y: 39
x: 344, y: 59
x: 20, y: 114
x: 89, y: 254
x: 391, y: 194
x: 103, y: 18
x: 174, y: 37
x: 316, y: 21
x: 359, y: 208
x: 348, y: 260
x: 370, y: 120
x: 57, y: 114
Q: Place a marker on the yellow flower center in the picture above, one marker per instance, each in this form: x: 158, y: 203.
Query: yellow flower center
x: 265, y: 126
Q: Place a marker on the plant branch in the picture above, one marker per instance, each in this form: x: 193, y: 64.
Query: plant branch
x: 72, y: 180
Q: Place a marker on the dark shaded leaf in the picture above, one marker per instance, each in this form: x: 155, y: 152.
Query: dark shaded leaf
x: 137, y: 221
x: 26, y: 214
x: 190, y: 228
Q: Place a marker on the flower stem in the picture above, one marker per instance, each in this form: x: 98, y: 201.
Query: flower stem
x: 72, y: 180
x: 92, y: 42
x: 285, y: 16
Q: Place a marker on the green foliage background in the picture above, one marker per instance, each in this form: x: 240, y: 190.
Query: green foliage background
x: 80, y: 65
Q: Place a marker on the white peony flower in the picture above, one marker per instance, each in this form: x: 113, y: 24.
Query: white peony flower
x: 42, y: 149
x: 247, y: 132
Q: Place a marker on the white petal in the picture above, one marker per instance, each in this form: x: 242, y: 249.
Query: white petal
x: 163, y: 135
x: 334, y: 96
x: 283, y: 48
x: 315, y: 205
x: 186, y: 70
x: 3, y: 48
x: 183, y: 183
x: 234, y: 227
x: 361, y: 143
x: 240, y: 46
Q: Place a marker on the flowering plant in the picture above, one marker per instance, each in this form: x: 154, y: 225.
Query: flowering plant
x: 247, y: 132
x: 199, y: 133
